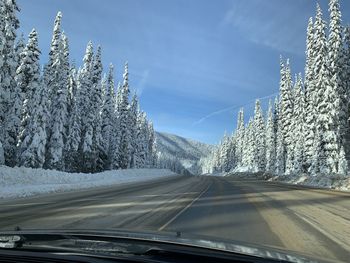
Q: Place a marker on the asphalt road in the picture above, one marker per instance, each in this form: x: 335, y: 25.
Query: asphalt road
x: 296, y: 218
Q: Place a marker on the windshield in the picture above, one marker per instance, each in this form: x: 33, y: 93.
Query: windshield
x: 228, y: 120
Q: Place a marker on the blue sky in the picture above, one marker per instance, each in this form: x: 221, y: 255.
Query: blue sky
x: 187, y: 58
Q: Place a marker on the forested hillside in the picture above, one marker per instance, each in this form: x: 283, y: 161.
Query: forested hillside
x: 63, y: 117
x: 306, y: 128
x: 182, y: 152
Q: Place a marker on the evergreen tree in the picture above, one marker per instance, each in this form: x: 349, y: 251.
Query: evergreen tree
x: 280, y: 146
x: 298, y: 126
x: 240, y: 137
x: 73, y: 140
x: 249, y: 142
x: 53, y: 54
x: 270, y: 141
x: 134, y: 108
x: 32, y: 137
x: 259, y: 134
x: 310, y: 97
x: 141, y: 141
x: 124, y: 122
x: 152, y: 146
x: 58, y: 107
x: 326, y: 129
x: 337, y: 68
x: 116, y: 138
x: 286, y: 116
x: 87, y: 116
x: 96, y: 100
x: 107, y: 116
x: 8, y: 65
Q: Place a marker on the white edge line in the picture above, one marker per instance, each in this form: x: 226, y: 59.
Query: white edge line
x: 184, y: 209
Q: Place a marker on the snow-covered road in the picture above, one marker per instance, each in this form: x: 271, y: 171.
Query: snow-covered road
x: 316, y: 222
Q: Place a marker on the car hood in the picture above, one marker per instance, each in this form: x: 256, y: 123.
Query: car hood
x: 183, y: 239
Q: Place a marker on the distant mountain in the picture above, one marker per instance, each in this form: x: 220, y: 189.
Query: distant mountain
x: 187, y: 151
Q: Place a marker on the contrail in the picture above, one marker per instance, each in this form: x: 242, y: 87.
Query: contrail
x: 231, y: 108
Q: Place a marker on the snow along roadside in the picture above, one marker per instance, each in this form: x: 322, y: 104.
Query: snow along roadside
x: 22, y: 182
x: 327, y: 181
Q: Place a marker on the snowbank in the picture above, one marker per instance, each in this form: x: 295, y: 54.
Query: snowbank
x: 21, y: 182
x: 331, y: 181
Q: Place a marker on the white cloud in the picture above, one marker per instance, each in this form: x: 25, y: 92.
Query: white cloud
x: 275, y: 24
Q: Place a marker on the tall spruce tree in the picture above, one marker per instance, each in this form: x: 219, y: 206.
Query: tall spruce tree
x: 337, y: 68
x: 107, y: 116
x: 327, y: 133
x: 58, y: 108
x: 134, y: 108
x: 298, y: 126
x: 310, y: 96
x: 259, y: 135
x: 240, y: 137
x: 124, y: 122
x: 96, y: 101
x: 87, y: 116
x: 8, y: 93
x: 32, y: 137
x: 270, y: 141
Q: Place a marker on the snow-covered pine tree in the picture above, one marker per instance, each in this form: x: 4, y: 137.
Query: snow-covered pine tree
x: 337, y: 68
x: 124, y: 122
x: 134, y: 108
x: 286, y: 117
x: 116, y: 129
x: 107, y: 116
x: 326, y: 97
x: 14, y: 114
x: 96, y: 100
x: 54, y: 50
x: 298, y: 126
x: 270, y: 141
x: 280, y: 146
x: 310, y: 96
x: 249, y: 149
x: 284, y: 112
x: 32, y: 137
x: 240, y: 137
x: 141, y: 140
x: 8, y: 65
x: 224, y: 154
x: 346, y: 79
x: 259, y: 131
x: 59, y: 86
x: 87, y: 116
x: 152, y: 147
x: 71, y: 155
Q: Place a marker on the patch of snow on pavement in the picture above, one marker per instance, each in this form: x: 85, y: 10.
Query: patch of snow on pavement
x: 22, y: 182
x: 330, y: 181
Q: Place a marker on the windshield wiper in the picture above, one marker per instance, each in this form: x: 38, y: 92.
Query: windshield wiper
x: 70, y: 243
x: 116, y: 246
